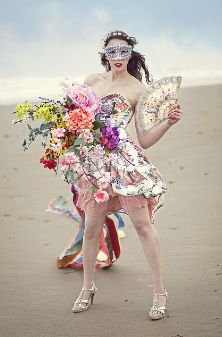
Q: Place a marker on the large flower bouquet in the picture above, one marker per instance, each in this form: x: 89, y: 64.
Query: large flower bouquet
x: 74, y: 137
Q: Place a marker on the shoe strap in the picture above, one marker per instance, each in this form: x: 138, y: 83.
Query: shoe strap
x: 91, y: 289
x: 84, y: 301
x: 164, y: 294
x: 157, y: 307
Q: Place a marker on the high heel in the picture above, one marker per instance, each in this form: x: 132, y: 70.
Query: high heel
x: 82, y: 305
x: 160, y: 311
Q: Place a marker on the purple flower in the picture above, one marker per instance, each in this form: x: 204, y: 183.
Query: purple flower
x: 107, y: 107
x: 105, y: 111
x: 110, y: 137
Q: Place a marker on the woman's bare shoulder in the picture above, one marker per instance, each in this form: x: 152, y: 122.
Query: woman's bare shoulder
x: 93, y: 78
x: 138, y: 87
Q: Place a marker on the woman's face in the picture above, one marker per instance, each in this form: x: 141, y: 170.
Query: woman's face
x: 118, y: 53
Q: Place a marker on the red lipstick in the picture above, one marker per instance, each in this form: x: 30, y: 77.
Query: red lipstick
x: 118, y: 64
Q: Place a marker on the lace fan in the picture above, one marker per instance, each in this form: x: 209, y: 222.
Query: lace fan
x: 155, y: 103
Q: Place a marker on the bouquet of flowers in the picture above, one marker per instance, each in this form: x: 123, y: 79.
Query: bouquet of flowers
x: 74, y: 135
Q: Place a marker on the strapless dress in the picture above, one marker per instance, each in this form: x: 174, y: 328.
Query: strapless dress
x: 135, y: 182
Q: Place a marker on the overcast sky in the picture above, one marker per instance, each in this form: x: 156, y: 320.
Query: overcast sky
x: 50, y: 39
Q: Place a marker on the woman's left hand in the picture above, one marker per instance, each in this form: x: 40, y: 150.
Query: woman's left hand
x: 174, y: 114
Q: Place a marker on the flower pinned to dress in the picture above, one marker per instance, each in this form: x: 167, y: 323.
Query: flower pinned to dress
x: 101, y: 196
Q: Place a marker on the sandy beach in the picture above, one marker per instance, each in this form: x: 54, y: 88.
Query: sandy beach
x: 36, y: 297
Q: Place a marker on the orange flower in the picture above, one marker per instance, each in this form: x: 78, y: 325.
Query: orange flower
x: 78, y: 120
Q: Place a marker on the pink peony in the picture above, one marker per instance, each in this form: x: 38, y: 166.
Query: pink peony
x: 101, y: 196
x: 83, y: 97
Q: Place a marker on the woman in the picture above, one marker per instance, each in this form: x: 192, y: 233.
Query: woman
x: 121, y: 85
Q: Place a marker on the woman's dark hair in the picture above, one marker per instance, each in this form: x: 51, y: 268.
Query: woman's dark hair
x: 136, y: 62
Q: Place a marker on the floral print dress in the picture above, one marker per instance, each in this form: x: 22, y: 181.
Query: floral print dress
x: 135, y: 182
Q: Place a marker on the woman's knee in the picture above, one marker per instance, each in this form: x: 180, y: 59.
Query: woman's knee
x: 91, y: 233
x: 143, y: 227
x: 93, y: 228
x: 141, y: 221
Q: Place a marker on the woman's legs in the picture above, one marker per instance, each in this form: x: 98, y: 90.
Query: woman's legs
x: 151, y: 246
x: 91, y: 239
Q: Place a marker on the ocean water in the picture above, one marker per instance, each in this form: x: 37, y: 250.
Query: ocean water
x: 15, y: 90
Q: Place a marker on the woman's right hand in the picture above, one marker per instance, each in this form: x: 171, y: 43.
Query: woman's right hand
x: 174, y: 114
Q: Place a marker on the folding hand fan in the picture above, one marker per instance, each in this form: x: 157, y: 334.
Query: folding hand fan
x: 155, y: 103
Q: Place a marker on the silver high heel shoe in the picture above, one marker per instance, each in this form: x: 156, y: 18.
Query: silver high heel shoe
x: 160, y: 311
x: 82, y: 305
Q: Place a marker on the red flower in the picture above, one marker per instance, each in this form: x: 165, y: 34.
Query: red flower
x: 68, y: 144
x: 47, y: 160
x: 50, y: 163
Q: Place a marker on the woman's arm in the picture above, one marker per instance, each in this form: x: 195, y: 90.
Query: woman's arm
x: 151, y: 137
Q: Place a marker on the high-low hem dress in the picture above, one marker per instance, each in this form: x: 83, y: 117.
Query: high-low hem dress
x: 135, y: 182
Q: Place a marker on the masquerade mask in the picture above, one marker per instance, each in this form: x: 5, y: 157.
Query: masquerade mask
x: 118, y: 52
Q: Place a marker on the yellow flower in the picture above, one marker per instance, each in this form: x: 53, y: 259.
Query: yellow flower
x: 22, y: 109
x: 62, y: 124
x: 44, y: 111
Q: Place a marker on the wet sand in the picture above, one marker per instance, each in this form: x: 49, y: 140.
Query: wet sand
x: 36, y: 297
